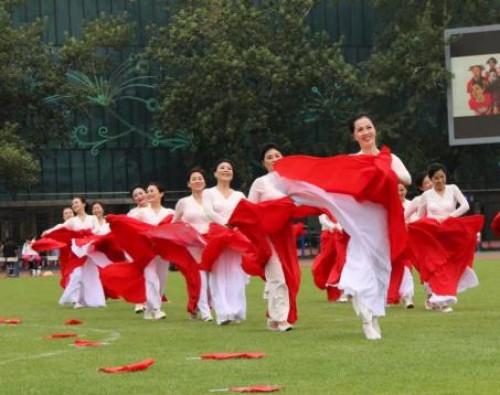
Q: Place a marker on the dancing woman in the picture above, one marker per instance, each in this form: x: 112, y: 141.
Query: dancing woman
x: 226, y: 278
x: 361, y: 192
x: 190, y: 210
x: 445, y: 260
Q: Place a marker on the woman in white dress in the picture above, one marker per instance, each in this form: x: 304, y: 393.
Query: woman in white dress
x: 360, y: 191
x: 190, y: 210
x: 443, y: 206
x: 156, y: 270
x: 226, y: 280
x: 266, y: 188
x: 139, y: 196
x: 84, y: 288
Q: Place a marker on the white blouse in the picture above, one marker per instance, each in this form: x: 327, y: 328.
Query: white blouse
x: 188, y: 210
x: 219, y: 208
x: 399, y: 168
x: 267, y: 187
x: 150, y: 216
x: 442, y: 207
x: 411, y: 208
x: 89, y: 222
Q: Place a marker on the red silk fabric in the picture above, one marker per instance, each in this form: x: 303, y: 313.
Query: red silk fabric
x: 328, y: 264
x: 443, y: 251
x: 232, y: 355
x: 365, y: 177
x: 495, y: 224
x: 132, y: 367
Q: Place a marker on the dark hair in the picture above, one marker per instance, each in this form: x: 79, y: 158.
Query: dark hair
x: 434, y: 168
x: 67, y: 208
x: 82, y: 199
x: 197, y: 169
x: 99, y: 203
x: 419, y: 178
x: 158, y: 186
x: 222, y: 161
x: 265, y: 148
x: 131, y: 191
x: 353, y: 120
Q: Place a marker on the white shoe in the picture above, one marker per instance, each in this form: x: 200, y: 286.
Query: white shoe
x: 446, y: 309
x: 343, y: 298
x: 409, y: 303
x: 284, y: 327
x: 77, y: 305
x: 154, y: 315
x: 376, y: 326
x: 370, y: 332
x: 139, y: 308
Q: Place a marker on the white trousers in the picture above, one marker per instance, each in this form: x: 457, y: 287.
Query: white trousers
x: 84, y: 287
x: 227, y: 282
x: 204, y: 300
x: 155, y: 275
x: 276, y: 290
x: 407, y: 290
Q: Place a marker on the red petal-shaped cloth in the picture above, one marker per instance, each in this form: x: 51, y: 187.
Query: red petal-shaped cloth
x: 125, y: 280
x: 47, y: 244
x: 133, y: 367
x: 178, y: 232
x: 73, y: 322
x: 256, y: 388
x: 86, y: 343
x: 232, y: 355
x: 443, y: 251
x: 219, y: 238
x: 328, y: 264
x: 11, y: 321
x: 495, y: 224
x: 61, y: 335
x: 365, y: 177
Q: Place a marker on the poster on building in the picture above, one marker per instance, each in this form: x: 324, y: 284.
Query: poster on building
x: 473, y: 57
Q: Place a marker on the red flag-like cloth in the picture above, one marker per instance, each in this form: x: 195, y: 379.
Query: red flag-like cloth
x: 365, y: 177
x: 232, y: 355
x: 443, y: 251
x: 272, y: 221
x: 73, y: 322
x: 61, y: 238
x: 62, y: 335
x: 218, y: 239
x: 86, y: 343
x: 133, y: 367
x: 143, y: 242
x: 495, y: 224
x: 397, y: 273
x: 328, y: 264
x: 256, y: 388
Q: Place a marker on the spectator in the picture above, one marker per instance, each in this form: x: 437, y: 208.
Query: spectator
x: 11, y: 250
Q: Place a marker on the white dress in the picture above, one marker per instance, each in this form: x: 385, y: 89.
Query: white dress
x: 367, y: 268
x: 227, y: 280
x: 84, y: 286
x: 263, y: 189
x: 407, y: 288
x: 188, y: 210
x: 155, y: 273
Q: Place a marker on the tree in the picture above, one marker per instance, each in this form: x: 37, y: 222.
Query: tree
x: 240, y: 73
x: 406, y: 82
x: 32, y: 70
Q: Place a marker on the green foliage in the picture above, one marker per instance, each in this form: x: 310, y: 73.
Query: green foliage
x: 240, y: 75
x: 406, y: 81
x: 18, y: 168
x: 32, y: 70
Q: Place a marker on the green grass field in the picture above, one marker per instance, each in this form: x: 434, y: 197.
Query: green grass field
x: 422, y: 352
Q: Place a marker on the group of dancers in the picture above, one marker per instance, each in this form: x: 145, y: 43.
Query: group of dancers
x: 371, y: 241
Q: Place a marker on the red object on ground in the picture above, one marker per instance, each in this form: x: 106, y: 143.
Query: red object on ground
x: 62, y: 335
x: 86, y: 343
x: 10, y: 321
x: 132, y: 367
x: 232, y: 355
x: 256, y: 388
x: 73, y: 322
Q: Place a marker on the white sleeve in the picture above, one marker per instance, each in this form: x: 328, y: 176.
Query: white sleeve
x: 399, y: 168
x: 463, y: 204
x: 422, y: 207
x: 254, y: 193
x: 208, y: 207
x: 412, y: 208
x: 179, y: 210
